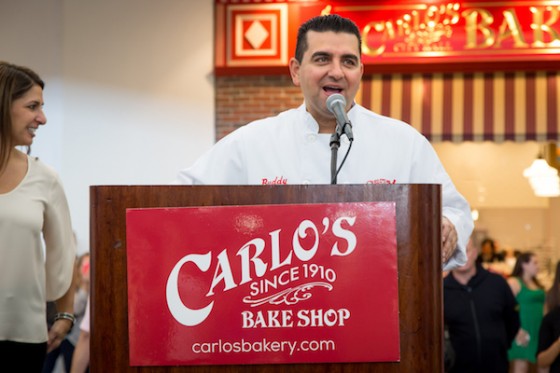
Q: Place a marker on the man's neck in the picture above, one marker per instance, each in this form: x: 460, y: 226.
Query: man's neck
x: 464, y: 277
x: 326, y: 125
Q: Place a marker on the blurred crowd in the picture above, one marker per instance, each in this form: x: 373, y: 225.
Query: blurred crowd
x: 502, y: 312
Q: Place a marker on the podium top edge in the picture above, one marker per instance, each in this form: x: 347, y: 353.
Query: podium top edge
x: 257, y: 185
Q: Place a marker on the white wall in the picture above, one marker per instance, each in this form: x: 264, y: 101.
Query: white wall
x: 129, y: 92
x: 490, y: 175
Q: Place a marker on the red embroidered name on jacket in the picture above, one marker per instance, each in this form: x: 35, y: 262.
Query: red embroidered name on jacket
x: 382, y: 181
x: 278, y: 180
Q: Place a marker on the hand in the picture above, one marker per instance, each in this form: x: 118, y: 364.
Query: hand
x: 522, y: 338
x: 448, y: 239
x: 58, y: 331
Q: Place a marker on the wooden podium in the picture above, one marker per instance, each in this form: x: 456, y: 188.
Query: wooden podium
x: 418, y: 213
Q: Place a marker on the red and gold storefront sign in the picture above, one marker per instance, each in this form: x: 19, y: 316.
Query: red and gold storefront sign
x: 397, y: 36
x: 268, y: 284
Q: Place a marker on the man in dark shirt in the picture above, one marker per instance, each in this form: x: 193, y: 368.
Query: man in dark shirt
x: 481, y: 314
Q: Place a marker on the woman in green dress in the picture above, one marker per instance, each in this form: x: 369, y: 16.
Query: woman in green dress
x: 530, y: 295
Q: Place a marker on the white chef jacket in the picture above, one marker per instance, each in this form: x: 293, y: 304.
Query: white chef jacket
x: 288, y: 149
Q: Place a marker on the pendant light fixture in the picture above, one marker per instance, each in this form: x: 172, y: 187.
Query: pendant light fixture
x: 543, y: 178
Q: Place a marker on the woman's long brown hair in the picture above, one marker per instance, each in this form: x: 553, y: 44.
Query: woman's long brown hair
x: 517, y: 271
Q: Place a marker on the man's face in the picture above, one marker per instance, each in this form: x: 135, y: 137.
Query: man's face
x: 472, y: 254
x: 331, y: 64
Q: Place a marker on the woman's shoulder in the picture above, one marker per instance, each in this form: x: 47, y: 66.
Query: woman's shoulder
x: 40, y: 168
x: 43, y: 176
x: 515, y: 283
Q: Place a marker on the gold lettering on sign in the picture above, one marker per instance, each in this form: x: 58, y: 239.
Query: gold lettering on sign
x: 481, y: 21
x: 540, y: 26
x: 510, y: 27
x: 417, y: 31
x: 473, y: 26
x: 430, y: 29
x: 383, y: 28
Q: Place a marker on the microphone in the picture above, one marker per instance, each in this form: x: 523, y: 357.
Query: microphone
x: 337, y: 105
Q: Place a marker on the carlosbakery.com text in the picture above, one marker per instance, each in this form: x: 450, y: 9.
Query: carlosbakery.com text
x: 264, y: 345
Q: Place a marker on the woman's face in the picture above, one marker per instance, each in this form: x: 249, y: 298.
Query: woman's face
x: 27, y: 115
x: 487, y: 249
x: 84, y: 268
x: 531, y: 268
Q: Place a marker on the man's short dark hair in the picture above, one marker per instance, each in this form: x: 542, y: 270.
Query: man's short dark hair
x: 330, y: 22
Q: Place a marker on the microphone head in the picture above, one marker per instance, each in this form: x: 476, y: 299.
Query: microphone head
x: 334, y: 100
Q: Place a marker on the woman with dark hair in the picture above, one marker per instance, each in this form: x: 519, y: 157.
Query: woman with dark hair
x: 530, y: 295
x: 488, y: 252
x: 548, y: 353
x: 33, y: 212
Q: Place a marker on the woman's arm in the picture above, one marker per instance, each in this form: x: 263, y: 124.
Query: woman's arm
x: 64, y: 319
x: 546, y: 358
x: 514, y: 285
x: 80, y: 359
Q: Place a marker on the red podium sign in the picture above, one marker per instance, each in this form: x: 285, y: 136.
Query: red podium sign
x: 265, y: 284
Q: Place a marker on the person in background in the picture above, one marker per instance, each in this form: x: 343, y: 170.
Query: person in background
x: 80, y: 360
x: 530, y: 295
x: 294, y: 147
x: 510, y: 257
x: 33, y: 211
x: 488, y: 252
x: 501, y: 262
x: 81, y: 286
x: 480, y: 312
x: 553, y: 294
x: 548, y: 351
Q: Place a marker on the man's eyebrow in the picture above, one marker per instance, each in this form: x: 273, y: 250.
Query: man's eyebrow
x: 351, y: 56
x: 321, y: 54
x: 326, y: 54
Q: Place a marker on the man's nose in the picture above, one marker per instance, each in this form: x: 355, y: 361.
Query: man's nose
x: 336, y: 70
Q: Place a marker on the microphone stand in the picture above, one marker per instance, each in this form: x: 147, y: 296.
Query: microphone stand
x: 335, y: 144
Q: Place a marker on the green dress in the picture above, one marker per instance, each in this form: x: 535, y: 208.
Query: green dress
x: 531, y: 309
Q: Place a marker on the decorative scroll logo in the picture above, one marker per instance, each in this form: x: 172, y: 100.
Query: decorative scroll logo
x: 288, y: 296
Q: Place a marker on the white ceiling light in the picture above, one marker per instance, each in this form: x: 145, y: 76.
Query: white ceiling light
x: 474, y: 214
x: 543, y: 179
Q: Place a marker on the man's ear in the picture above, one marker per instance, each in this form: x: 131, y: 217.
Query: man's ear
x: 294, y: 71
